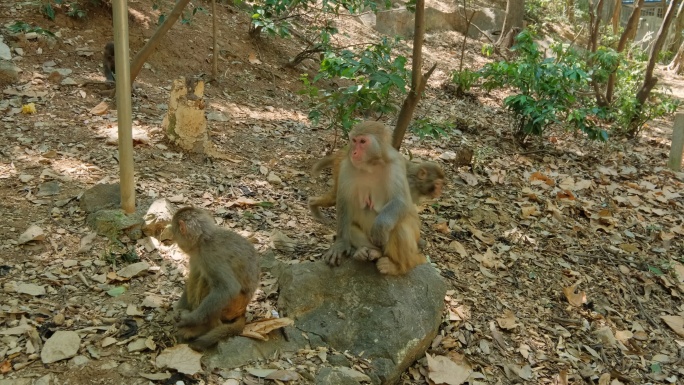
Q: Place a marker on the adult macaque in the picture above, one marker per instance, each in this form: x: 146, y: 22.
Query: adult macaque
x: 425, y: 180
x: 376, y: 219
x: 108, y: 62
x: 224, y: 273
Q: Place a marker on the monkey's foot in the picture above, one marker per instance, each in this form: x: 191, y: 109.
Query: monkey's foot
x: 186, y: 334
x: 386, y: 266
x: 367, y: 254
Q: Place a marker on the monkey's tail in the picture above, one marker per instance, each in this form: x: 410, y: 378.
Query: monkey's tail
x: 212, y: 337
x: 322, y: 164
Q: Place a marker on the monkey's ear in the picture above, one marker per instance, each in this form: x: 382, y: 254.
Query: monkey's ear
x: 422, y: 173
x: 182, y: 227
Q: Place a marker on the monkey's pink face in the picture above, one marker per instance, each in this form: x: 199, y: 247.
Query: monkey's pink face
x: 359, y: 148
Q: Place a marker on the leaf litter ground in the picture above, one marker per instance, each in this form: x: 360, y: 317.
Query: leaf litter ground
x: 564, y: 258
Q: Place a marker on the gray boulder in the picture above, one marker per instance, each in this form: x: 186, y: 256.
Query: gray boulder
x: 391, y: 320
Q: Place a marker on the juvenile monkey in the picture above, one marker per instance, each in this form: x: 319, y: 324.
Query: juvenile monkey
x: 224, y: 273
x: 376, y: 219
x: 108, y: 62
x: 425, y: 180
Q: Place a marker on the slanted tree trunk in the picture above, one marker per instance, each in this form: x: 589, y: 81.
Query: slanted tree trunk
x: 627, y: 35
x: 676, y: 63
x: 678, y: 29
x: 513, y: 22
x: 615, y: 20
x: 418, y: 80
x: 152, y: 44
x: 650, y: 80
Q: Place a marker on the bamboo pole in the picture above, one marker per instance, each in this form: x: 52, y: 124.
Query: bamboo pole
x: 123, y: 105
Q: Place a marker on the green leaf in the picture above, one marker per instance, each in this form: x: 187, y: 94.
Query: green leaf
x: 116, y: 291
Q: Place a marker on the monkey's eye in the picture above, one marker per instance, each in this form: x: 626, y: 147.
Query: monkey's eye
x: 362, y: 141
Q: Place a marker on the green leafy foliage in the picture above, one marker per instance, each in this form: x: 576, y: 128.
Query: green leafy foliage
x: 549, y: 90
x: 23, y: 27
x: 425, y: 127
x: 373, y: 80
x: 464, y: 80
x: 73, y: 9
x: 276, y: 17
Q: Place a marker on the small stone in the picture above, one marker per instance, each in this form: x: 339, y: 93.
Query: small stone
x: 33, y: 233
x: 30, y: 289
x: 272, y: 178
x: 79, y: 360
x: 70, y: 263
x: 153, y: 301
x: 62, y: 345
x: 137, y: 345
x: 24, y: 178
x: 68, y: 82
x: 107, y: 341
x: 133, y: 270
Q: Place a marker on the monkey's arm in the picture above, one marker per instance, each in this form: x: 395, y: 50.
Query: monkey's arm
x: 400, y: 203
x: 342, y: 246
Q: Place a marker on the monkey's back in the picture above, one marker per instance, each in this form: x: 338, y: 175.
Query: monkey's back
x: 240, y: 255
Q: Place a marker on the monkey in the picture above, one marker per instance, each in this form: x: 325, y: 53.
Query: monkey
x: 108, y: 64
x: 224, y: 274
x: 425, y: 180
x: 376, y: 219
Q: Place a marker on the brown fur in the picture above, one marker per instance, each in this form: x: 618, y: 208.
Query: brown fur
x: 108, y: 62
x: 425, y: 180
x: 224, y: 273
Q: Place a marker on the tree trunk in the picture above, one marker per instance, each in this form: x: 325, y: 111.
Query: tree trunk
x: 677, y: 39
x: 418, y: 81
x: 594, y: 24
x: 570, y: 10
x: 214, y: 63
x: 156, y: 39
x: 615, y: 20
x: 649, y: 80
x: 676, y: 63
x: 515, y: 12
x: 627, y: 34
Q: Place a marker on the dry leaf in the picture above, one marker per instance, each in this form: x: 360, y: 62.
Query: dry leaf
x: 487, y: 239
x: 253, y: 59
x: 459, y: 248
x: 470, y: 179
x: 508, y: 321
x: 442, y: 227
x: 442, y: 370
x: 575, y: 299
x: 675, y: 322
x: 180, y: 357
x: 283, y: 375
x: 259, y: 329
x: 537, y: 176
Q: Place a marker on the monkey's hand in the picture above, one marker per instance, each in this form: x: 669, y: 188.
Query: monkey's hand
x: 379, y: 234
x: 337, y: 251
x: 187, y: 319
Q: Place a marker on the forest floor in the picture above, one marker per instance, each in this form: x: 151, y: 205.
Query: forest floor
x: 562, y: 258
